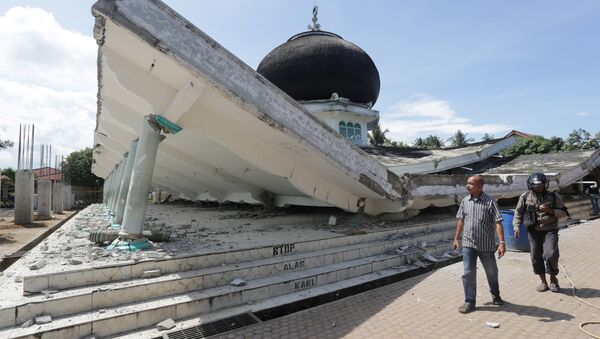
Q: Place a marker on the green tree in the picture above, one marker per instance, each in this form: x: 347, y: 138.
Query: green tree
x: 433, y: 142
x: 459, y: 139
x: 77, y: 169
x: 580, y: 139
x: 398, y: 144
x: 9, y: 172
x: 377, y: 136
x: 6, y: 144
x: 535, y: 144
x: 487, y: 137
x: 419, y: 143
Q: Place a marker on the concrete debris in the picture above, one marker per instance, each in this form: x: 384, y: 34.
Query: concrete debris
x: 165, y: 324
x: 48, y: 293
x: 405, y: 247
x: 9, y: 273
x: 44, y: 247
x: 28, y: 323
x: 448, y: 255
x: 332, y: 220
x: 430, y: 257
x: 399, y: 251
x: 18, y: 278
x: 492, y: 324
x: 238, y: 282
x: 38, y: 265
x: 420, y: 263
x: 74, y: 261
x: 423, y: 244
x: 333, y: 324
x: 44, y: 319
x: 151, y: 273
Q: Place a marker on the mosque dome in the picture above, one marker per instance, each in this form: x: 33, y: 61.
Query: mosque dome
x: 313, y: 65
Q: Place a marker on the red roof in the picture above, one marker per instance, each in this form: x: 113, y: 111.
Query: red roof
x: 47, y: 173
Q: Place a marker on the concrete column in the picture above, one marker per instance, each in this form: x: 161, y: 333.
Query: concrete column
x: 118, y: 183
x: 57, y: 197
x: 67, y: 202
x: 141, y: 178
x: 105, y: 190
x: 44, y: 199
x: 23, y: 197
x: 113, y: 180
x: 122, y: 199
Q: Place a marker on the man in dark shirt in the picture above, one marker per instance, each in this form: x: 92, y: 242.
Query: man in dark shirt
x: 478, y: 217
x: 592, y: 191
x: 542, y: 209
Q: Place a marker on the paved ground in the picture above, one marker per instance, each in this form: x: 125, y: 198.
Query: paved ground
x: 13, y: 237
x: 426, y: 306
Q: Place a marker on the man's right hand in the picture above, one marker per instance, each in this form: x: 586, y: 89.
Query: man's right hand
x: 517, y: 234
x: 455, y: 244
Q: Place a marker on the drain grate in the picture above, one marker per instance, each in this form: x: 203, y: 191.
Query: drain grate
x: 212, y: 328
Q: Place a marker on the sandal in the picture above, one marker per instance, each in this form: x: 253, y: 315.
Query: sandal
x: 554, y: 287
x: 542, y: 288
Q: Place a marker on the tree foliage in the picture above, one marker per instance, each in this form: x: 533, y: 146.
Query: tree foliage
x: 581, y: 139
x: 487, y: 137
x: 419, y: 143
x: 9, y: 172
x: 433, y: 142
x: 77, y: 169
x: 377, y: 136
x: 459, y: 139
x: 6, y: 144
x: 535, y: 144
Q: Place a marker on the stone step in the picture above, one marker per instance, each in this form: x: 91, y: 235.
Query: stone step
x: 115, y: 320
x: 391, y: 274
x: 113, y: 294
x: 129, y: 270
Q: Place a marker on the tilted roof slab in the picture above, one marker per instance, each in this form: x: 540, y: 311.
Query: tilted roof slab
x: 240, y: 132
x: 243, y: 139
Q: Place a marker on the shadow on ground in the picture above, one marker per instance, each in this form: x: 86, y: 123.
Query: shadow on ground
x: 543, y: 314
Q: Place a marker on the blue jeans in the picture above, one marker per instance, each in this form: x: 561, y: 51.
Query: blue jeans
x: 595, y: 208
x: 469, y: 278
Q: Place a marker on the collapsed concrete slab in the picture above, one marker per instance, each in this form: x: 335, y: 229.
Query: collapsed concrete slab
x: 239, y: 138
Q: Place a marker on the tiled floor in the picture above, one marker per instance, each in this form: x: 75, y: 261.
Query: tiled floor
x: 426, y: 306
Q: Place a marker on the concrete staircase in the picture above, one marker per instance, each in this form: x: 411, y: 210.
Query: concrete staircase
x: 134, y: 296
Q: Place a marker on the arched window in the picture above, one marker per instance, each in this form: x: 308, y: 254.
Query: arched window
x: 357, y: 133
x: 343, y: 129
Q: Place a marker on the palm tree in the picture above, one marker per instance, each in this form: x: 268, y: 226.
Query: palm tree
x: 419, y: 143
x: 487, y: 137
x: 459, y: 139
x: 377, y: 136
x: 433, y: 142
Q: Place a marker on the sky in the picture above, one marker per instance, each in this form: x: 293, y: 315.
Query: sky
x: 478, y: 66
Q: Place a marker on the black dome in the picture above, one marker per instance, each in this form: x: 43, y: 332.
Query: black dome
x: 313, y: 65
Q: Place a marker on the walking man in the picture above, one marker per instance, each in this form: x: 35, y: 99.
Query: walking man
x: 539, y: 210
x: 478, y: 217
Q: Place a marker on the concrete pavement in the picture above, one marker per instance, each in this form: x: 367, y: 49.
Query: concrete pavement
x: 426, y: 306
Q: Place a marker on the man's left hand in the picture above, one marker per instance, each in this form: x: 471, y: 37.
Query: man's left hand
x: 546, y: 209
x: 501, y: 250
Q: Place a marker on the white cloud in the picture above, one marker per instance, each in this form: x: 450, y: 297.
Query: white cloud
x: 48, y: 78
x: 582, y: 114
x: 421, y: 115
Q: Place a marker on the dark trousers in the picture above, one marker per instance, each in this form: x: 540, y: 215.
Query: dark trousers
x: 544, y: 250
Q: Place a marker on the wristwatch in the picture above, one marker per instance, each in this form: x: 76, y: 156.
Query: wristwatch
x: 502, y: 243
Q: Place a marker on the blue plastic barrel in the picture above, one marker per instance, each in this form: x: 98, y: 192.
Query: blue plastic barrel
x: 513, y: 244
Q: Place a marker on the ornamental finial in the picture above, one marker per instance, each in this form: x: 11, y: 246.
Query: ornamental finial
x: 315, y: 26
